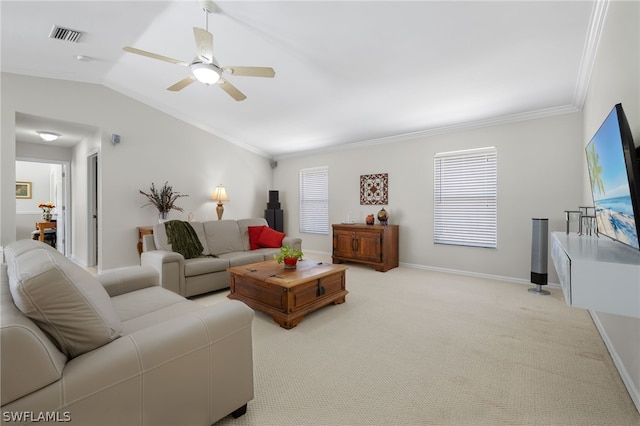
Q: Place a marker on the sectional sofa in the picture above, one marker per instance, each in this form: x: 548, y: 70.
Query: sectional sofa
x: 117, y: 349
x: 226, y: 243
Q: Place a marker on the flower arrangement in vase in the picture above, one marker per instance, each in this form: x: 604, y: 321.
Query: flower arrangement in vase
x: 289, y: 256
x: 46, y: 210
x: 163, y: 200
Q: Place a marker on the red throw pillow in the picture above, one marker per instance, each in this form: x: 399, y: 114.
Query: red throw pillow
x: 270, y: 238
x: 254, y: 235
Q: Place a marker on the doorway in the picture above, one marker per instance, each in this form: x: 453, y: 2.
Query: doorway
x: 48, y: 183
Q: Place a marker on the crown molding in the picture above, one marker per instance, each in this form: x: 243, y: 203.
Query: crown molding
x: 495, y: 121
x: 596, y: 25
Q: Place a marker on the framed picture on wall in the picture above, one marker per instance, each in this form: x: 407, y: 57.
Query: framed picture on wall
x: 23, y: 190
x: 374, y: 189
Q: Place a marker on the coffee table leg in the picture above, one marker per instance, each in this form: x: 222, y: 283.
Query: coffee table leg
x: 288, y: 323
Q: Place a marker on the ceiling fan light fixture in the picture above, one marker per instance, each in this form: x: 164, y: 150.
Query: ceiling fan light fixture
x: 205, y: 73
x: 48, y: 136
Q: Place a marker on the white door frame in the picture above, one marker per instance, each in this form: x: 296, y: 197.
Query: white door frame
x: 64, y: 210
x: 92, y: 208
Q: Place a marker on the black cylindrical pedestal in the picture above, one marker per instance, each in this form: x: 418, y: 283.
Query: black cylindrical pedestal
x: 539, y: 254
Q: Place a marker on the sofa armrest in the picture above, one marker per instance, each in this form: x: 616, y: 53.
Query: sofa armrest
x: 128, y: 279
x: 169, y: 266
x: 292, y: 242
x: 193, y: 369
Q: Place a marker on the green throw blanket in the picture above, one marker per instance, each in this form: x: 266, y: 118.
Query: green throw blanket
x: 183, y: 239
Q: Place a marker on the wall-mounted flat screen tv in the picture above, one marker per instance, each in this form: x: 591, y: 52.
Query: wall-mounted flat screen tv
x: 614, y: 172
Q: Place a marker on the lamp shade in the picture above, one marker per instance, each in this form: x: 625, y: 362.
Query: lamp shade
x: 220, y: 194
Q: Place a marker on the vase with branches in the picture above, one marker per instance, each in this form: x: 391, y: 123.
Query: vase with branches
x: 163, y: 199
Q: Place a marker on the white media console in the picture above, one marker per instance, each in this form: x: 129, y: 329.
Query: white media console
x: 597, y: 273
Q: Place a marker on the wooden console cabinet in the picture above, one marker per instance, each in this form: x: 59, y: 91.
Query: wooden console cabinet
x: 374, y: 245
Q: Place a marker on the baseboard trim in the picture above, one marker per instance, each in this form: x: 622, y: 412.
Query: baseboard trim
x: 634, y: 392
x: 476, y: 274
x: 458, y: 272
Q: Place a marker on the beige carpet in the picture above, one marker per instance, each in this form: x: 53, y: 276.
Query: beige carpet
x: 414, y: 347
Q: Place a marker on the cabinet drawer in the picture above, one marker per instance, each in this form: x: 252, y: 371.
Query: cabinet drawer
x: 259, y: 292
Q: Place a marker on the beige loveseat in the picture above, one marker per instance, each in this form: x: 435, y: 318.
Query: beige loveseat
x: 228, y: 240
x: 115, y: 350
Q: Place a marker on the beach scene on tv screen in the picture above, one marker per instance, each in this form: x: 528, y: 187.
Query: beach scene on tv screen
x: 610, y: 184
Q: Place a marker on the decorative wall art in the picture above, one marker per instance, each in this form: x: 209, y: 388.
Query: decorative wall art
x: 23, y: 190
x: 374, y: 189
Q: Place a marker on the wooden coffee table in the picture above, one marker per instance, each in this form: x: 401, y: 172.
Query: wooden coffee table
x: 288, y: 294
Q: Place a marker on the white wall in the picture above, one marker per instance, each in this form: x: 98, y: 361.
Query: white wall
x: 539, y: 175
x: 616, y: 78
x: 39, y: 176
x: 155, y: 148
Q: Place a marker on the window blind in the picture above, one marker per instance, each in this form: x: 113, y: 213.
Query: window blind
x: 314, y: 200
x: 466, y: 198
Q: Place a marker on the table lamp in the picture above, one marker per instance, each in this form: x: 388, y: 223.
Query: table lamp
x: 220, y: 195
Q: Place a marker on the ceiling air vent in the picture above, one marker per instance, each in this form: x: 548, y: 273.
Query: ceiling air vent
x: 66, y: 34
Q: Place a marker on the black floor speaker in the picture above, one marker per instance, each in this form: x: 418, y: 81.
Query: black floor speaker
x: 539, y: 254
x: 273, y: 213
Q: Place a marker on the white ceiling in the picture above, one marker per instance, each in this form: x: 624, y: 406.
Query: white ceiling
x: 347, y: 72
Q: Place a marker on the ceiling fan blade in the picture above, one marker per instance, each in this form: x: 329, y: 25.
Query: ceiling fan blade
x: 251, y: 71
x: 153, y: 56
x: 182, y: 84
x: 204, y: 44
x: 231, y: 90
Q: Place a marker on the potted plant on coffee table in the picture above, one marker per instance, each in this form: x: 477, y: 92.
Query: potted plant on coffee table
x: 289, y: 256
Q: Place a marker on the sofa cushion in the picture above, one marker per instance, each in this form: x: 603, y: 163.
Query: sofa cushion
x: 270, y: 238
x: 223, y: 236
x: 266, y: 252
x: 141, y: 302
x: 183, y: 238
x: 199, y: 228
x: 64, y: 300
x: 244, y: 224
x: 254, y: 235
x: 161, y: 239
x: 204, y: 265
x: 242, y: 257
x: 29, y: 360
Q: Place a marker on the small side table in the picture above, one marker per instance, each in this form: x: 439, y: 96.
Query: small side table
x: 142, y: 231
x: 41, y: 226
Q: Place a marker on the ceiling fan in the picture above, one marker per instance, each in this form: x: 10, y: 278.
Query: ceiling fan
x: 204, y: 67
